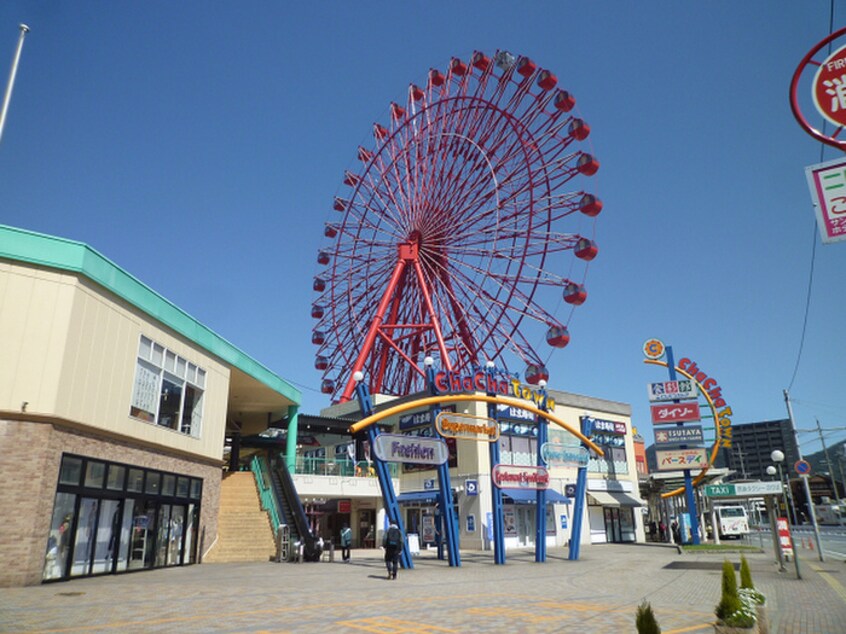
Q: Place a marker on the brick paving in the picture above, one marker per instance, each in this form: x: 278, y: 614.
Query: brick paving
x: 599, y: 593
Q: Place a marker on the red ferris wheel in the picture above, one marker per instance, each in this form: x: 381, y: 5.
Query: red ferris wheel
x: 465, y: 208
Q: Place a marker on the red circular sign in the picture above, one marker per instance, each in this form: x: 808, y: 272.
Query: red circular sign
x: 829, y: 88
x: 802, y: 467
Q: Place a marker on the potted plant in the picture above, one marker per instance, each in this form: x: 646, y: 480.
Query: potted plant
x: 733, y: 615
x: 750, y: 596
x: 645, y: 619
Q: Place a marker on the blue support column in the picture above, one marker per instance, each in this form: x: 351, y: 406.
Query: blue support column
x: 445, y: 484
x: 540, y: 511
x: 581, y: 500
x: 688, y: 481
x: 383, y: 473
x: 496, y: 492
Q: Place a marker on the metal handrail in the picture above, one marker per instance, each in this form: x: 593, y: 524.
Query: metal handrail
x: 268, y: 501
x: 343, y: 467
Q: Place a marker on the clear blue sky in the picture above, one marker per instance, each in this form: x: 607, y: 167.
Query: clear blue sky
x: 199, y: 145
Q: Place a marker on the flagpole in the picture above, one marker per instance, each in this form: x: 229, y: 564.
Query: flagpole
x: 8, y: 96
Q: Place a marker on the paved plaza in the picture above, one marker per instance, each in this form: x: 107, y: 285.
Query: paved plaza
x: 599, y: 593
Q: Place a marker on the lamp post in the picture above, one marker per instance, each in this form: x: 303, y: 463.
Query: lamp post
x: 771, y: 471
x: 777, y: 457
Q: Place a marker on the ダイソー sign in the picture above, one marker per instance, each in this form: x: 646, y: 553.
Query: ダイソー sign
x: 666, y: 413
x: 688, y: 435
x: 395, y: 448
x: 672, y: 390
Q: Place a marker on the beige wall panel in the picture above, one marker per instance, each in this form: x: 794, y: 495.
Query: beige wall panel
x: 34, y: 310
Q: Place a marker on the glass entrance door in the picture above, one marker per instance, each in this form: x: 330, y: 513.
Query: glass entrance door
x: 142, y: 537
x: 612, y: 525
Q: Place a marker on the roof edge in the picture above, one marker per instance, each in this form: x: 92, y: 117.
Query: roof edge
x: 41, y: 249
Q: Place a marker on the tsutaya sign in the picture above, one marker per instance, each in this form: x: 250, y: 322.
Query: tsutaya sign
x: 416, y: 449
x: 465, y: 426
x: 509, y: 476
x: 483, y: 382
x: 743, y: 489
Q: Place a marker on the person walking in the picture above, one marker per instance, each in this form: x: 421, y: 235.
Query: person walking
x: 346, y: 541
x: 392, y: 542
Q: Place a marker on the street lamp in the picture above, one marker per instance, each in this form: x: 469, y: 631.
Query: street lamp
x: 777, y: 457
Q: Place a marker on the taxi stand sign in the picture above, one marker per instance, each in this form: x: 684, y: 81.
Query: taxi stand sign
x: 743, y: 489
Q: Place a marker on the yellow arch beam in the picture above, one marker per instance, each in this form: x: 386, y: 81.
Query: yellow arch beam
x: 453, y: 398
x: 715, y: 449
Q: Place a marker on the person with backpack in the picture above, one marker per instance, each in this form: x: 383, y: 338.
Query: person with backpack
x: 346, y: 541
x: 392, y: 542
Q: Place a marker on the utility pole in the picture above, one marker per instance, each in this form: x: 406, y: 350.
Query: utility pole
x: 830, y: 471
x: 804, y: 477
x: 15, y: 60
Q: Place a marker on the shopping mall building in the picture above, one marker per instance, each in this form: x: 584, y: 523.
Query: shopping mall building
x: 121, y: 418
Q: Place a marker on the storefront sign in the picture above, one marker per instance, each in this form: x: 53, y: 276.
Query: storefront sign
x: 466, y: 426
x: 481, y: 381
x: 687, y: 435
x: 827, y: 182
x: 558, y: 455
x: 667, y: 413
x: 715, y: 393
x: 428, y: 528
x: 416, y: 449
x: 344, y: 506
x: 415, y: 420
x: 672, y: 390
x: 676, y: 459
x: 514, y: 414
x: 507, y: 476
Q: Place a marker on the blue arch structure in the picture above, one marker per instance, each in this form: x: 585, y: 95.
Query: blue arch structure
x: 390, y: 499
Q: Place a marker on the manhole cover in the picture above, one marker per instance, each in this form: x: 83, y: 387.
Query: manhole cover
x: 698, y: 565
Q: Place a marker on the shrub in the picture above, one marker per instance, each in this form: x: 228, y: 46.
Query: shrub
x: 747, y: 588
x: 731, y: 610
x: 645, y: 620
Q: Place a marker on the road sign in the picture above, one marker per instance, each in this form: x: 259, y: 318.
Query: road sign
x: 829, y: 88
x: 672, y: 390
x: 687, y: 435
x: 666, y: 413
x: 471, y: 487
x: 743, y: 489
x: 802, y: 467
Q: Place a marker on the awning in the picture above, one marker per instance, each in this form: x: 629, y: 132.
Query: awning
x: 418, y: 496
x: 519, y: 496
x: 613, y: 498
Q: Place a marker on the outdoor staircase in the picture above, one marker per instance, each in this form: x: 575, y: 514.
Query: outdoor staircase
x: 243, y: 528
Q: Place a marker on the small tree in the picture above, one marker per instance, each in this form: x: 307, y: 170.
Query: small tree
x: 729, y: 601
x: 745, y: 574
x: 645, y: 619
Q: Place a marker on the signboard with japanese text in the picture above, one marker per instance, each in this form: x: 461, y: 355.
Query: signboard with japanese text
x: 687, y: 435
x: 675, y: 459
x: 672, y: 390
x: 828, y: 91
x: 666, y: 413
x: 827, y: 182
x: 743, y: 489
x: 558, y: 455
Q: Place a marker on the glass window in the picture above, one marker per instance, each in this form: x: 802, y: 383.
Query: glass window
x: 153, y: 482
x: 182, y: 485
x: 196, y: 488
x: 58, y: 540
x: 95, y: 474
x: 168, y: 484
x: 145, y: 348
x: 135, y: 482
x: 71, y: 470
x: 167, y: 390
x: 116, y: 477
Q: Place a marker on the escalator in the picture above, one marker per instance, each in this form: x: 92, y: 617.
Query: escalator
x: 291, y: 508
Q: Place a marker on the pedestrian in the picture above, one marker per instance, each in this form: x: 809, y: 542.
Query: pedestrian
x: 392, y: 543
x: 662, y: 530
x: 346, y: 541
